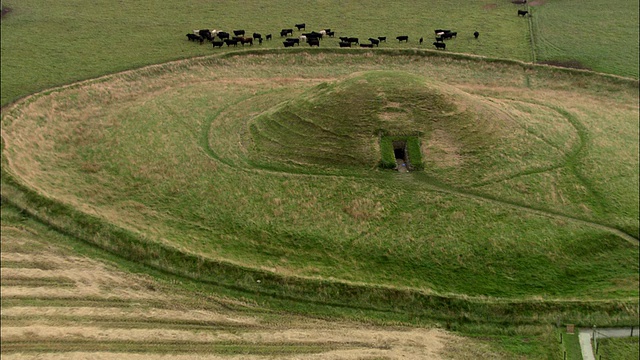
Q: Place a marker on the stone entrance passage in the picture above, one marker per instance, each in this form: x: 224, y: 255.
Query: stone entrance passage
x: 400, y: 152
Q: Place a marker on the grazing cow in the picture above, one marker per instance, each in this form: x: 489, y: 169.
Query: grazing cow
x: 345, y: 44
x: 344, y: 38
x: 366, y: 45
x: 441, y: 45
x: 439, y: 39
x: 301, y: 26
x: 194, y: 37
x: 245, y: 40
x: 285, y: 32
x: 288, y: 43
x: 205, y: 33
x: 382, y: 38
x: 375, y: 42
x: 447, y: 36
x: 293, y: 40
x: 229, y: 42
x: 257, y: 36
x: 260, y: 41
x: 217, y: 43
x: 476, y: 34
x: 223, y: 35
x: 353, y: 40
x: 420, y: 41
x: 238, y: 32
x: 453, y: 34
x: 404, y: 38
x: 327, y: 30
x: 331, y: 33
x: 522, y: 13
x: 313, y: 42
x: 322, y: 33
x: 268, y: 36
x: 438, y: 31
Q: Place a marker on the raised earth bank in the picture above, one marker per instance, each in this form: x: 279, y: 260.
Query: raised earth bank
x: 261, y: 172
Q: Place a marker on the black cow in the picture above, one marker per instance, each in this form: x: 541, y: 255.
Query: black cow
x: 293, y: 40
x: 194, y: 37
x: 344, y: 38
x: 447, y: 36
x: 522, y: 13
x: 257, y: 36
x: 375, y: 42
x: 301, y: 26
x: 313, y: 41
x: 439, y: 39
x: 268, y: 36
x: 438, y: 31
x: 327, y: 30
x: 420, y: 41
x: 366, y: 45
x: 353, y: 40
x: 217, y: 43
x: 205, y: 33
x: 260, y: 41
x: 345, y: 44
x: 229, y: 42
x: 476, y: 34
x: 382, y: 38
x: 453, y: 34
x: 330, y: 33
x: 288, y: 44
x: 238, y: 32
x: 223, y: 35
x: 404, y: 38
x: 439, y: 45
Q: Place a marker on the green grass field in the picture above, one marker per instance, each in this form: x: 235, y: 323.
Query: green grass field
x: 619, y: 348
x: 255, y: 175
x: 598, y: 35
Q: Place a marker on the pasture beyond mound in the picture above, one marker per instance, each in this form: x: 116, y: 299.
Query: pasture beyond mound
x: 266, y: 164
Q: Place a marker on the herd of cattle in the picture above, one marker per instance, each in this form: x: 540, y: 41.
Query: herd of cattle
x: 313, y: 38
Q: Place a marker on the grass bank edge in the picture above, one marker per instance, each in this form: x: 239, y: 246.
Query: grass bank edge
x: 438, y: 309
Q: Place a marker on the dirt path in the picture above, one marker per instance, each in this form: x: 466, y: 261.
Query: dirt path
x: 586, y: 335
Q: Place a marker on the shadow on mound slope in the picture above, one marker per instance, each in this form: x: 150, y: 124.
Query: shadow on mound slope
x: 337, y: 125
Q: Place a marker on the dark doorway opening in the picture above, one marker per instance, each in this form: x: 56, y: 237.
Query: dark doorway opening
x: 400, y: 150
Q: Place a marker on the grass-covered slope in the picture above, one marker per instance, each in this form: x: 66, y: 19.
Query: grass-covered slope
x: 166, y: 153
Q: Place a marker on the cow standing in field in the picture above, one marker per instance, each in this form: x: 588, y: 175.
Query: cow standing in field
x: 421, y: 40
x: 522, y: 13
x: 439, y: 45
x: 476, y: 34
x: 402, y: 38
x: 375, y: 42
x: 314, y: 42
x: 301, y: 26
x: 194, y: 37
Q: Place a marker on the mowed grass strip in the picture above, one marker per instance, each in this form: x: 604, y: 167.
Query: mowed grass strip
x: 251, y: 348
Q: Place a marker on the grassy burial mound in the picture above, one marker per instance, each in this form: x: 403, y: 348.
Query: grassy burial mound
x: 265, y: 167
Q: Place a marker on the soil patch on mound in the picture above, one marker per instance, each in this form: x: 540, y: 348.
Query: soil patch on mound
x: 573, y: 64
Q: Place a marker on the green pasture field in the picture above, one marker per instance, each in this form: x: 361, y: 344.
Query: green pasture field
x: 619, y: 348
x: 270, y: 164
x: 46, y: 43
x: 593, y: 34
